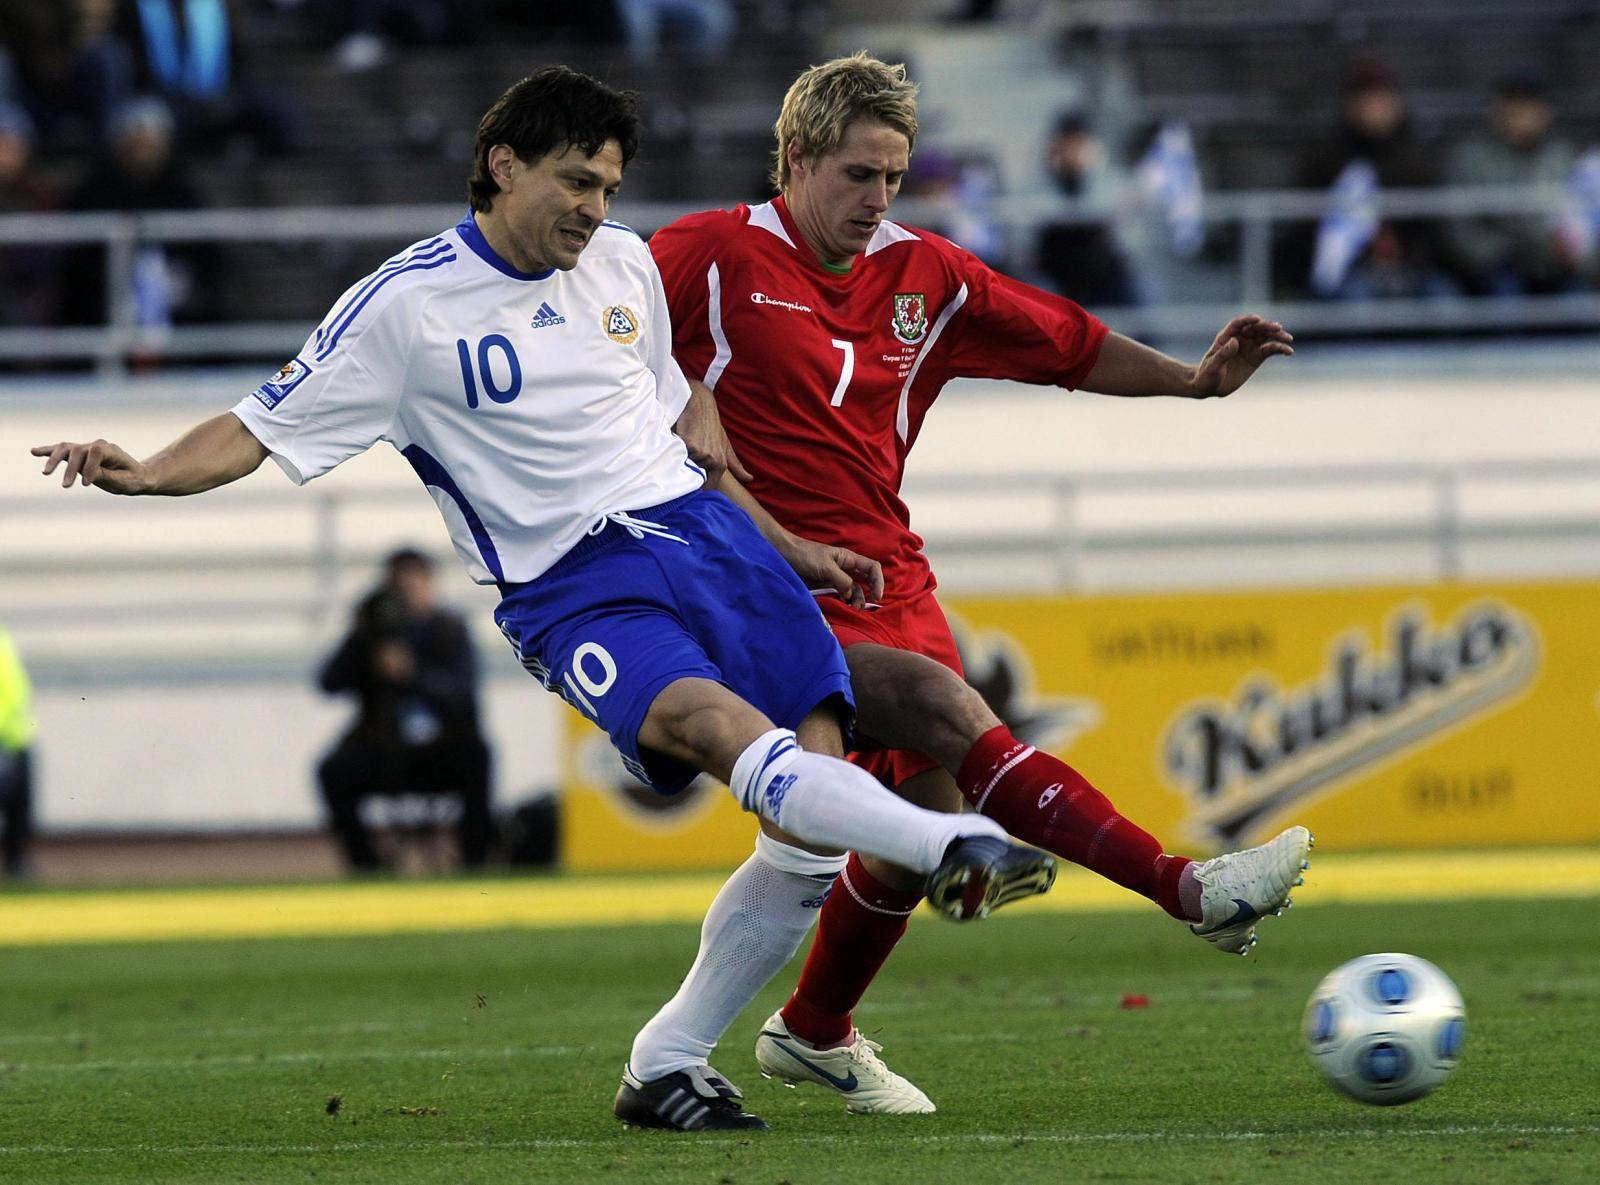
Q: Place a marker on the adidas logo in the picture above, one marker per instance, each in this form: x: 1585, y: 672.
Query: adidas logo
x: 547, y: 316
x: 777, y: 791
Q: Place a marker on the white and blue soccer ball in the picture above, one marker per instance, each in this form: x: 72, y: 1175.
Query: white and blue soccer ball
x: 1385, y: 1029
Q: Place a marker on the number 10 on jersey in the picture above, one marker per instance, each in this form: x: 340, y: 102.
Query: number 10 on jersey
x: 487, y: 348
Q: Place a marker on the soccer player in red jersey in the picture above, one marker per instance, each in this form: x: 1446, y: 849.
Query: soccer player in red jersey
x: 826, y: 332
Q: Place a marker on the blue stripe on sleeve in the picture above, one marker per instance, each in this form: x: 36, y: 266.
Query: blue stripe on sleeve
x: 349, y: 318
x: 433, y: 474
x: 426, y: 250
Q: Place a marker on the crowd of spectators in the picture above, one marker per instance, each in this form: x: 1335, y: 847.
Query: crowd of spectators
x: 129, y: 93
x: 117, y: 105
x: 138, y: 96
x: 1103, y: 255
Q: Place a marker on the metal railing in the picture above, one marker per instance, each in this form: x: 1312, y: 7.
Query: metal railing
x: 1445, y: 529
x: 1257, y: 215
x: 1055, y: 519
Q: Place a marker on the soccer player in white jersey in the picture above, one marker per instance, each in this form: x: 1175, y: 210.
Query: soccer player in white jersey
x: 521, y: 362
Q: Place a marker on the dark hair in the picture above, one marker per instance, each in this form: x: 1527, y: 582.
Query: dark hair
x: 406, y: 557
x: 1369, y: 72
x: 552, y: 109
x: 1073, y: 123
x: 1523, y: 84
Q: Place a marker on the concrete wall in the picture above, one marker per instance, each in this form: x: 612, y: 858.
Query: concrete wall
x: 204, y: 717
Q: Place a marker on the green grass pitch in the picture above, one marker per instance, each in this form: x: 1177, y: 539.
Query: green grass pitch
x: 493, y: 1058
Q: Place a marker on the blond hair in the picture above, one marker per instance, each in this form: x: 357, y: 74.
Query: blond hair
x: 826, y: 99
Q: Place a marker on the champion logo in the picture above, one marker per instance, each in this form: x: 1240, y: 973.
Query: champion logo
x: 791, y: 305
x: 547, y: 316
x: 1049, y: 792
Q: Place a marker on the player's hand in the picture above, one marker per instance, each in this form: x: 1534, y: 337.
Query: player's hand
x: 700, y: 428
x: 855, y: 578
x: 1242, y: 346
x: 98, y: 463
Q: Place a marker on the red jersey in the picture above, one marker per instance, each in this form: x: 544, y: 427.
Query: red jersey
x: 823, y: 379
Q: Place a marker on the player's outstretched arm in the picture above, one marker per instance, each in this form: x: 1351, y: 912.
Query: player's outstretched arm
x: 1125, y: 367
x: 210, y: 454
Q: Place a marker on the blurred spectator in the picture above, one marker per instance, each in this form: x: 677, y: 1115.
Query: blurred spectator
x: 976, y: 12
x: 17, y: 728
x: 1580, y: 225
x: 1513, y: 254
x: 1083, y: 260
x: 187, y: 52
x: 1169, y: 187
x: 700, y: 29
x: 142, y: 171
x: 59, y: 61
x: 29, y: 274
x: 362, y: 32
x: 411, y: 665
x: 1352, y: 253
x: 958, y: 200
x: 597, y: 22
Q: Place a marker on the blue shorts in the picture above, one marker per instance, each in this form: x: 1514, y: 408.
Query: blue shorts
x: 618, y: 618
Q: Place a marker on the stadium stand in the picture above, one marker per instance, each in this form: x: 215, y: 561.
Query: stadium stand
x: 1347, y: 479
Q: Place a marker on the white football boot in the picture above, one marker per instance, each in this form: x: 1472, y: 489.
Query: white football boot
x: 1240, y: 888
x: 853, y: 1071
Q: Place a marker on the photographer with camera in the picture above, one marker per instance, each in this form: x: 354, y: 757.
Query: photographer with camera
x: 410, y: 663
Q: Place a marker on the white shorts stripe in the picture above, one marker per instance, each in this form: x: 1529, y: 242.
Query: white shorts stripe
x: 580, y: 697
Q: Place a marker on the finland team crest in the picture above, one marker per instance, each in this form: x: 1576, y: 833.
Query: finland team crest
x: 910, y: 317
x: 621, y: 324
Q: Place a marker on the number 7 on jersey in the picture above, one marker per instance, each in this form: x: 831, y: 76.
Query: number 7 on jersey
x: 849, y: 368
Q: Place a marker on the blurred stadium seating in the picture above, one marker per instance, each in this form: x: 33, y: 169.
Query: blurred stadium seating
x: 1460, y: 451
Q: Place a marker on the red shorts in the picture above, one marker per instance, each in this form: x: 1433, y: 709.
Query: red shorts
x: 917, y: 625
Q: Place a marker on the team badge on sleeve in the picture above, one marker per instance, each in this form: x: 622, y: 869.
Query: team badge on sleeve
x: 910, y: 317
x: 621, y: 324
x: 274, y: 390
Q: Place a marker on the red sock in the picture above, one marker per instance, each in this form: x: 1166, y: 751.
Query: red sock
x: 860, y: 924
x: 1042, y: 800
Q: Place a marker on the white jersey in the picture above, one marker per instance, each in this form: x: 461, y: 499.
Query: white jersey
x: 531, y: 405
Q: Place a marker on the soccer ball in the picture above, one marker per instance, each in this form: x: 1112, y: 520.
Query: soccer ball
x: 1385, y: 1029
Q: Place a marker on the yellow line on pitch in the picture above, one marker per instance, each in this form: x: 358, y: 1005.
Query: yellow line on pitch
x: 397, y: 907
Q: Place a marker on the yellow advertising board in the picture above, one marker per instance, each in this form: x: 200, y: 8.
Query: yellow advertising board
x: 1429, y: 715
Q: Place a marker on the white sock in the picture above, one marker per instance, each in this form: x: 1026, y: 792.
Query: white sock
x: 832, y: 804
x: 752, y: 930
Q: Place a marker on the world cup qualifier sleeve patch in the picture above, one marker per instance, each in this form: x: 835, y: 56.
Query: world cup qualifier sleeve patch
x: 276, y: 389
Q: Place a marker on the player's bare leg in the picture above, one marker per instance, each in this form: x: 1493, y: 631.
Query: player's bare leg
x: 759, y: 918
x: 818, y: 798
x: 909, y: 701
